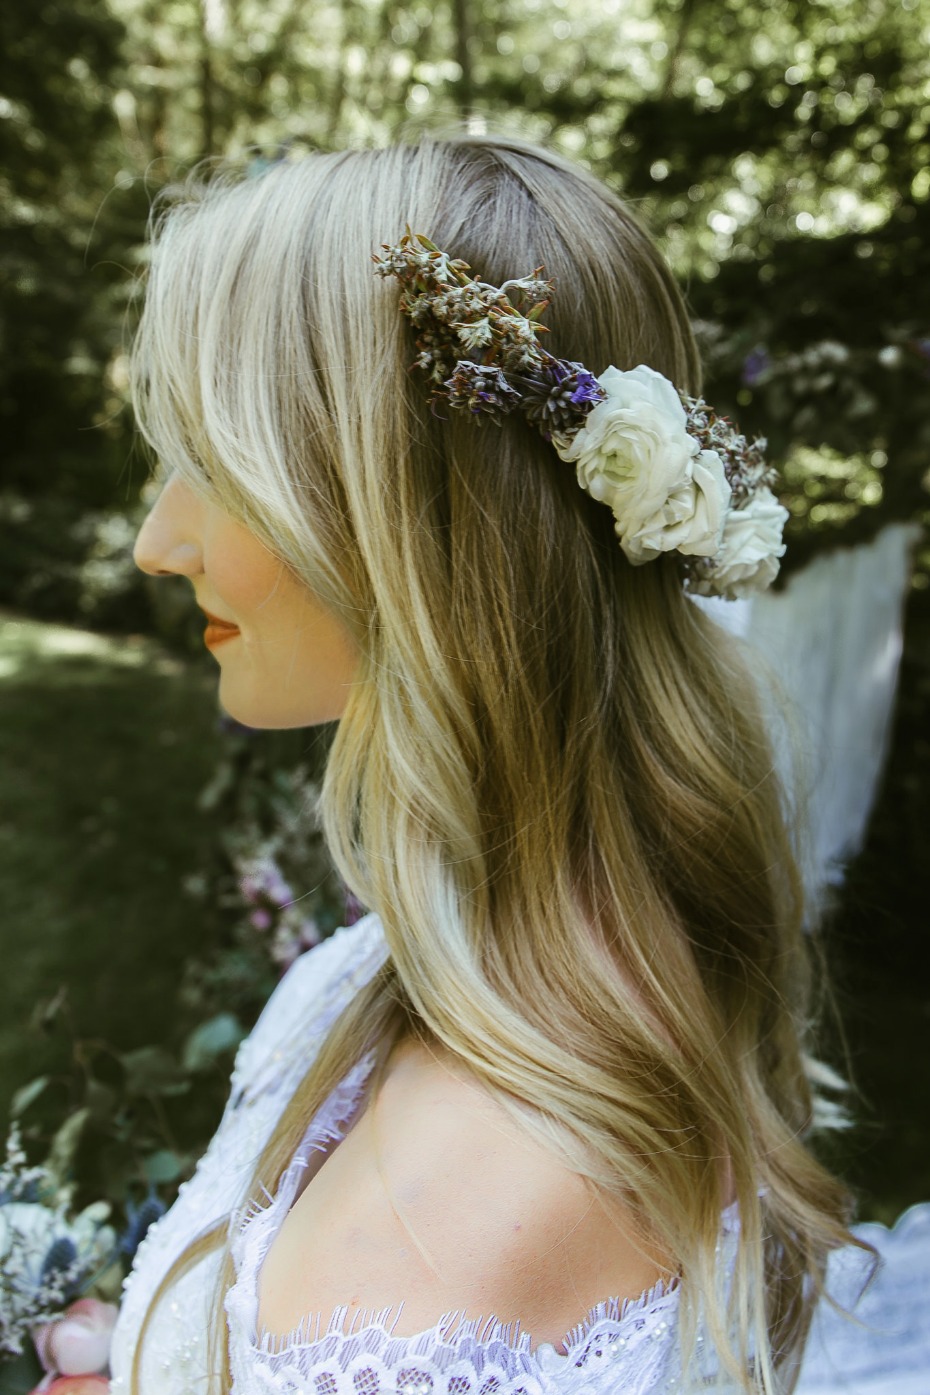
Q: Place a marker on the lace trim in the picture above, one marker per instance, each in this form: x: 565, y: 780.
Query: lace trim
x: 454, y: 1337
x: 253, y: 1222
x: 454, y: 1331
x: 459, y: 1354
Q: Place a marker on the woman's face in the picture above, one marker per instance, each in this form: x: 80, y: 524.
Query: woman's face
x: 285, y: 661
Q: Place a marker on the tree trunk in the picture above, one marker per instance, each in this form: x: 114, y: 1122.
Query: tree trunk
x: 207, y: 85
x: 685, y: 17
x: 462, y: 28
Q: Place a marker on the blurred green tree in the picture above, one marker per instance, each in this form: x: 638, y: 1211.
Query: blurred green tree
x: 778, y: 148
x: 780, y: 151
x: 70, y: 219
x: 58, y: 320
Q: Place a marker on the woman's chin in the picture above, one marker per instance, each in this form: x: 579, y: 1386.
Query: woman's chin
x: 246, y: 708
x: 255, y: 710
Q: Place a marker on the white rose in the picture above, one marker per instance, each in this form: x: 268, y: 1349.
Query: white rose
x: 691, y: 520
x: 752, y: 544
x: 635, y: 454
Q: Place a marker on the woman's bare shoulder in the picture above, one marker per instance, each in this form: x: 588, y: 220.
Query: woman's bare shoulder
x: 438, y: 1198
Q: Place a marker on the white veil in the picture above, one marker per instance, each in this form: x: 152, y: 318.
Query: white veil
x: 830, y: 642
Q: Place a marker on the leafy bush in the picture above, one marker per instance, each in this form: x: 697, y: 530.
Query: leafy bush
x: 58, y: 563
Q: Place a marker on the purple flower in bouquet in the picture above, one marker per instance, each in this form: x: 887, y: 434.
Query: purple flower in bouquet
x: 138, y: 1220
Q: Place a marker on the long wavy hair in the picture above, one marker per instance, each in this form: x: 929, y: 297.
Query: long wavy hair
x: 552, y: 780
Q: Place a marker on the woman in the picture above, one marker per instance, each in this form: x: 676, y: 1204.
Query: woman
x: 559, y: 1078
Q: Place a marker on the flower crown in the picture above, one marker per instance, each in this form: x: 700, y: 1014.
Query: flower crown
x: 676, y: 476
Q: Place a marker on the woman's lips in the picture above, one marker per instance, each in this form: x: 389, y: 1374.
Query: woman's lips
x: 218, y: 630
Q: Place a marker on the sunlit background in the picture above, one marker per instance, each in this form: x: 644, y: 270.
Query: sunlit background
x: 779, y: 150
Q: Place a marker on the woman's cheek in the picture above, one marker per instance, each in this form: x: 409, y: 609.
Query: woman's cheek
x: 242, y: 574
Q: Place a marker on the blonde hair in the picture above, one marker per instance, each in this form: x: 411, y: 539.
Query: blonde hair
x: 552, y: 779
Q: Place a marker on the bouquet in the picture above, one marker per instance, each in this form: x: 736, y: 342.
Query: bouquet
x: 50, y: 1258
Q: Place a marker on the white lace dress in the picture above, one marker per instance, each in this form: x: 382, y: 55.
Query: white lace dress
x: 624, y: 1348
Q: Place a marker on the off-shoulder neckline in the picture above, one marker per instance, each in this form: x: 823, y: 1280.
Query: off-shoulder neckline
x: 454, y: 1330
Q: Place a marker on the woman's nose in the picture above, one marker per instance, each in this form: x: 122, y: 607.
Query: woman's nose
x: 168, y: 543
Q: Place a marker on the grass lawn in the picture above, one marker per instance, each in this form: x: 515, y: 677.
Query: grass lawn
x: 104, y: 747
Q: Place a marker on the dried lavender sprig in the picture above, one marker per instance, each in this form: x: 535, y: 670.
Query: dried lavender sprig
x: 558, y: 400
x: 480, y: 388
x: 461, y: 319
x: 744, y: 462
x: 479, y: 349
